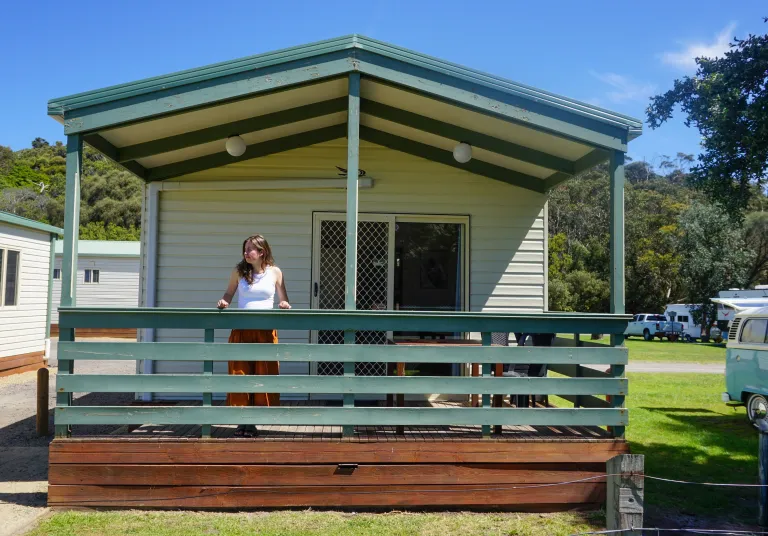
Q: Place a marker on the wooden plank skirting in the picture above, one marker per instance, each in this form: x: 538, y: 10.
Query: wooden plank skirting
x: 90, y: 333
x: 16, y: 364
x: 259, y: 473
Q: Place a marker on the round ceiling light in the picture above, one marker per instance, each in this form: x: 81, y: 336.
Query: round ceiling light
x: 462, y: 152
x: 235, y: 146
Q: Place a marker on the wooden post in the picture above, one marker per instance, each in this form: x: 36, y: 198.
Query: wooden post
x: 617, y: 265
x: 475, y: 401
x: 762, y: 464
x: 350, y: 280
x: 42, y: 402
x: 71, y: 220
x: 207, y: 371
x: 625, y: 493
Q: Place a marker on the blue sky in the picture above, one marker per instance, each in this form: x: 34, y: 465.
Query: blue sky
x: 613, y: 54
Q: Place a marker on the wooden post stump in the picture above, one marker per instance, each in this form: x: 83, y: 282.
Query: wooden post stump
x: 42, y: 402
x: 625, y: 493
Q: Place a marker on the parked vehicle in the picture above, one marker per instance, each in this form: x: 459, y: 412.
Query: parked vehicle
x: 690, y: 331
x: 653, y: 325
x: 726, y: 299
x: 746, y: 364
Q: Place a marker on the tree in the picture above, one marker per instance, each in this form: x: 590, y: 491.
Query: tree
x: 756, y: 237
x: 39, y: 143
x: 727, y: 101
x: 713, y: 257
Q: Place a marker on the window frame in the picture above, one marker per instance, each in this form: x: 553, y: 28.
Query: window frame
x: 4, y: 277
x: 91, y: 276
x: 743, y: 327
x: 55, y: 270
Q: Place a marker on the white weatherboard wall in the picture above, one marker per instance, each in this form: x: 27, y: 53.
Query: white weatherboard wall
x: 22, y: 327
x: 201, y: 232
x: 118, y: 284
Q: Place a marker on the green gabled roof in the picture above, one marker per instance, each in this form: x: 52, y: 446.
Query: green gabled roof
x: 104, y: 248
x: 351, y: 45
x: 13, y: 219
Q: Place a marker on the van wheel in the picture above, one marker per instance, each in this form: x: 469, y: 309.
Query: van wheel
x: 757, y: 410
x: 647, y: 335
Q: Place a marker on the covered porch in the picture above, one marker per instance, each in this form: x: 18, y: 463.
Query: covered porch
x: 297, y: 104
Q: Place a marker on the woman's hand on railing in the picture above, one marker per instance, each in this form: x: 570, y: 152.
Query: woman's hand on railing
x: 284, y: 305
x: 223, y: 304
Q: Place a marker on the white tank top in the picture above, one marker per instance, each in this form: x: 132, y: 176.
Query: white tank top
x: 260, y: 294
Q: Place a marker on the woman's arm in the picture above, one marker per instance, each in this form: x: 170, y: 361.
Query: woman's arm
x: 231, y: 288
x: 282, y: 294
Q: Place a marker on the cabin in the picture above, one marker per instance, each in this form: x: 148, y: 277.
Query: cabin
x: 26, y: 258
x: 107, y: 276
x: 405, y: 199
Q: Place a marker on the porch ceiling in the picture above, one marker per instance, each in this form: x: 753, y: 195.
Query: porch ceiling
x: 518, y: 134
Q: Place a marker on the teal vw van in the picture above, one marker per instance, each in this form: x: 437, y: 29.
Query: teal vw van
x: 746, y: 364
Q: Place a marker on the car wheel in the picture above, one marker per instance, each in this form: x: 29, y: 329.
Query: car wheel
x: 757, y: 410
x: 647, y: 335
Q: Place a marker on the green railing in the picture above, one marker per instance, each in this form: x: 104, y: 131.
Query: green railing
x: 580, y: 384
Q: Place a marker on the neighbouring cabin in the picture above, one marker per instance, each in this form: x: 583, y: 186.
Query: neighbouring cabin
x: 405, y: 199
x: 107, y: 276
x: 25, y: 292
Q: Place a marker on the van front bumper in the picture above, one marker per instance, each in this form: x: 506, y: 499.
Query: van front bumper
x: 726, y: 398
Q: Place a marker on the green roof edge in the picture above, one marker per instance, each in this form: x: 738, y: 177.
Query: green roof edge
x: 13, y: 219
x: 302, y: 52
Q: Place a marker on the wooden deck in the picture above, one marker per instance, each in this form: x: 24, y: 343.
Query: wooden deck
x: 154, y: 466
x: 372, y: 433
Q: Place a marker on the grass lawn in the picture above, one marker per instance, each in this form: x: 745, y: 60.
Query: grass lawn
x: 687, y: 433
x: 665, y: 351
x: 286, y: 523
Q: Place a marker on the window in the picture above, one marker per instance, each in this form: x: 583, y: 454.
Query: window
x: 754, y: 331
x: 682, y: 318
x: 9, y: 277
x: 57, y: 273
x: 91, y: 276
x: 656, y: 318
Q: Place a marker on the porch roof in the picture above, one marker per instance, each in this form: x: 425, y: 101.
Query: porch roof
x: 175, y: 125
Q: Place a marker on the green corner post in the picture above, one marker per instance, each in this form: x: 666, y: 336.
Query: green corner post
x: 350, y: 280
x: 207, y: 397
x: 69, y: 262
x: 617, y: 264
x: 486, y: 340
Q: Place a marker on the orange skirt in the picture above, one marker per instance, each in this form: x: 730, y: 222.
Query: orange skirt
x: 270, y: 368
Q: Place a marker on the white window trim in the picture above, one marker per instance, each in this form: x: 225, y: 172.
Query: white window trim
x: 3, y: 278
x: 91, y: 282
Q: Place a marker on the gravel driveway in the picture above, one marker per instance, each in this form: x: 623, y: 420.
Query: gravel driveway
x: 24, y: 460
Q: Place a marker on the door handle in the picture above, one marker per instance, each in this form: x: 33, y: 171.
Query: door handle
x: 316, y: 289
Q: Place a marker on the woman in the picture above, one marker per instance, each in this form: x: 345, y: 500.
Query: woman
x: 256, y: 279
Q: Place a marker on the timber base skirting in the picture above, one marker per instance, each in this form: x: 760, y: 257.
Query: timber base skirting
x: 16, y: 364
x: 88, y: 333
x: 192, y: 473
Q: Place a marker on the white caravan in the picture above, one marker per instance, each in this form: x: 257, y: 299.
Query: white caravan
x: 683, y: 314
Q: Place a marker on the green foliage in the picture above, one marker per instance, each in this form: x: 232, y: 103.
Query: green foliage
x: 98, y: 231
x: 713, y: 254
x: 727, y: 101
x: 32, y: 184
x: 756, y: 238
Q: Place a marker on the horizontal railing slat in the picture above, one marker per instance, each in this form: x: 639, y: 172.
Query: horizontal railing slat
x: 298, y: 319
x: 584, y: 372
x: 169, y: 383
x: 290, y: 416
x: 192, y: 351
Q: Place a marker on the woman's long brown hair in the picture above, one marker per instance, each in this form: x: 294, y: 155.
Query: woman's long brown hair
x: 244, y: 269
